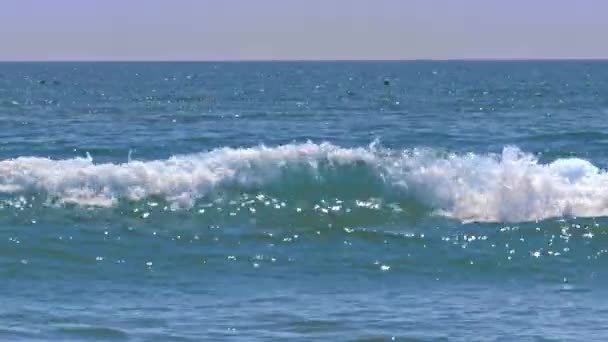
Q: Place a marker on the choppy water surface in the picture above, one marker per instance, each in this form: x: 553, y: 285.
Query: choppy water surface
x: 304, y: 201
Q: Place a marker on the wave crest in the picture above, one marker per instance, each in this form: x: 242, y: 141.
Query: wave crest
x: 512, y: 186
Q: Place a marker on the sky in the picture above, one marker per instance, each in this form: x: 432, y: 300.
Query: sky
x: 302, y: 29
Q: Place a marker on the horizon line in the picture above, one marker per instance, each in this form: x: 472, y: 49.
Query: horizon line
x: 254, y: 60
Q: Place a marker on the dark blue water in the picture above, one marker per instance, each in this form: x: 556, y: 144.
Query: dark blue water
x: 304, y: 201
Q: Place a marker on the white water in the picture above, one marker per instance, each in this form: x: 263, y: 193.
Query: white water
x: 487, y: 188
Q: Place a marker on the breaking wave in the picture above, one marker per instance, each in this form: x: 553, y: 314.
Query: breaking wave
x: 511, y: 186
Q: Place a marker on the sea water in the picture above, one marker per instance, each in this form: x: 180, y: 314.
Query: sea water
x: 304, y: 201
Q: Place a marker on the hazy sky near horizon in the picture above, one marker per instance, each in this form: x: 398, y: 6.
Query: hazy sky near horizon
x: 301, y: 29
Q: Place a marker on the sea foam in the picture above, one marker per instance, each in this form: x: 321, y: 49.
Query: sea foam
x: 512, y: 186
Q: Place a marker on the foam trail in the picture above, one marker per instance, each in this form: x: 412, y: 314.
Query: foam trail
x: 512, y: 186
x: 180, y: 179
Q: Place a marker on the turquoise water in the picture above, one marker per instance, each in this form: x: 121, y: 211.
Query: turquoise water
x: 304, y: 201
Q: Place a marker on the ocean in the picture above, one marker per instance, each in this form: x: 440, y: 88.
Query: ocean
x: 341, y: 201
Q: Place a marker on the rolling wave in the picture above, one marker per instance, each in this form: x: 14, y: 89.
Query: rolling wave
x: 508, y: 187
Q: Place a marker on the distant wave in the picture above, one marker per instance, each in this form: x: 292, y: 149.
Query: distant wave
x: 512, y: 186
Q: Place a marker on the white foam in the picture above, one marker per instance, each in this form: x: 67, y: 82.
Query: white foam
x: 512, y: 186
x: 179, y: 179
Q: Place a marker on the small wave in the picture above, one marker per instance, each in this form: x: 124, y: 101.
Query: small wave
x: 511, y: 186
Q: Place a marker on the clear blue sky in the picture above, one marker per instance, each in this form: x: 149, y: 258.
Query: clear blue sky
x: 301, y: 29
